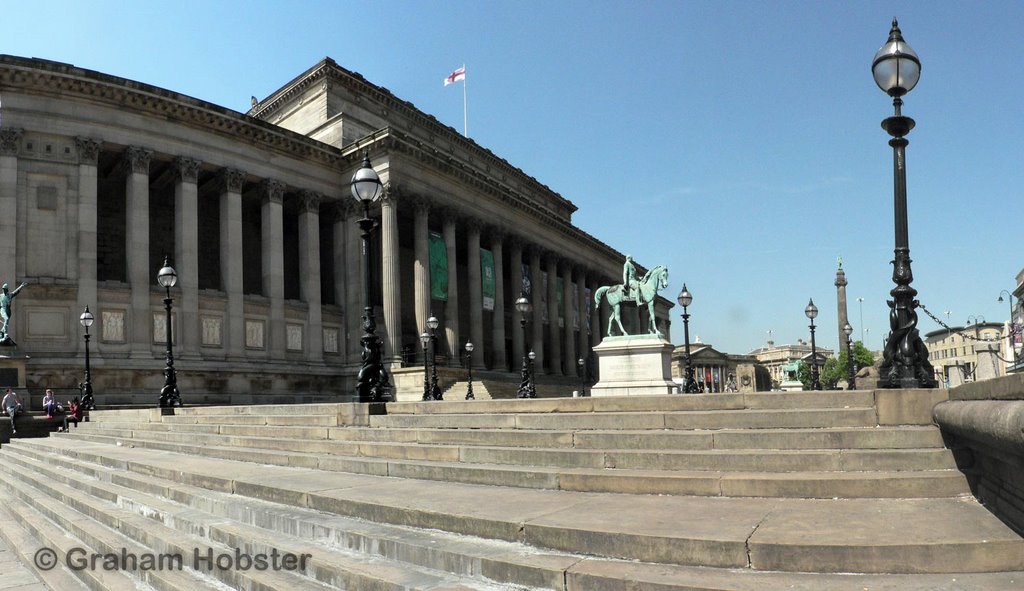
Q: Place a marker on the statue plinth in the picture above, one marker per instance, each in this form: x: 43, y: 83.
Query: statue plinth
x: 12, y: 366
x: 639, y: 365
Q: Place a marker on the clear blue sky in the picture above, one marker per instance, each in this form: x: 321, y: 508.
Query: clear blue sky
x: 736, y: 142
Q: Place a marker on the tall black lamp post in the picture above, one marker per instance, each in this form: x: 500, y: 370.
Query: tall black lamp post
x: 526, y: 379
x: 169, y: 394
x: 372, y: 382
x: 469, y: 365
x: 88, y: 403
x: 435, y: 390
x: 685, y: 299
x: 425, y: 339
x: 851, y: 363
x: 582, y: 375
x: 897, y: 69
x: 533, y: 384
x: 811, y: 311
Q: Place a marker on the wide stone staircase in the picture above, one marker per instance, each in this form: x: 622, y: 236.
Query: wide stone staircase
x: 812, y: 491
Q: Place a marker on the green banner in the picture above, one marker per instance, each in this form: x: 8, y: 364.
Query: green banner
x: 438, y: 268
x: 487, y: 278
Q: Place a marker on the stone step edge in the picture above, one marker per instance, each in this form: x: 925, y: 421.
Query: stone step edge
x: 545, y: 477
x: 913, y: 556
x: 85, y: 505
x: 99, y: 428
x: 493, y: 563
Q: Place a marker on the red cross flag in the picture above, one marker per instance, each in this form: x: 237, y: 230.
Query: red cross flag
x: 456, y: 76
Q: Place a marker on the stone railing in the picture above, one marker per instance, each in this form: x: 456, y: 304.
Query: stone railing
x: 983, y: 424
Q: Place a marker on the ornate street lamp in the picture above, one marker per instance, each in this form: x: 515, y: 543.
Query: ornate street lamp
x: 526, y: 379
x: 580, y: 371
x: 811, y: 311
x: 851, y: 363
x: 425, y: 339
x: 372, y: 383
x: 689, y: 383
x: 896, y: 70
x: 435, y: 391
x: 88, y: 403
x: 469, y: 365
x: 169, y: 394
x: 1012, y: 333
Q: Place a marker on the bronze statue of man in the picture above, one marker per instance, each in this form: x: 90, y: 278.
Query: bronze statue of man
x: 629, y: 279
x: 6, y: 298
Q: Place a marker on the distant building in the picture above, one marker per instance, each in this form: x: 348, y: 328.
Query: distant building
x: 955, y: 350
x: 775, y: 358
x: 1013, y: 332
x: 715, y: 371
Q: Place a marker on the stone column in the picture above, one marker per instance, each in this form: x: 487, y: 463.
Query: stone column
x: 10, y: 143
x: 476, y: 296
x: 272, y: 228
x: 140, y: 276
x: 515, y: 290
x: 535, y: 300
x: 841, y: 303
x: 569, y: 346
x: 605, y: 313
x: 353, y: 269
x: 309, y: 273
x: 583, y: 339
x: 88, y: 178
x: 451, y: 307
x: 421, y: 264
x: 231, y: 260
x: 391, y: 278
x: 596, y: 328
x: 554, y: 337
x: 186, y: 255
x: 499, y: 359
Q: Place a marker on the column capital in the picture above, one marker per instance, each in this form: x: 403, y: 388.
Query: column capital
x: 497, y: 234
x: 448, y: 215
x: 552, y: 258
x: 473, y: 224
x: 136, y: 160
x: 10, y: 140
x: 342, y: 209
x: 186, y: 169
x: 271, y: 191
x: 309, y: 201
x: 391, y: 195
x: 421, y: 204
x: 514, y: 241
x: 231, y: 180
x: 88, y: 150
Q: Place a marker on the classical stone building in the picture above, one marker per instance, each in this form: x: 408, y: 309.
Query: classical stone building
x: 954, y: 352
x: 715, y: 371
x: 774, y: 357
x: 101, y: 177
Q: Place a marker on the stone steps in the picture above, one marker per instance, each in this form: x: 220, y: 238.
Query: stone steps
x: 879, y: 536
x: 198, y: 521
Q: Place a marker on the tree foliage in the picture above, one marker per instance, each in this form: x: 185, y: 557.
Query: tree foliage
x: 835, y: 368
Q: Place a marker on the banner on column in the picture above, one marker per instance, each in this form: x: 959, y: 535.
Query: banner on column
x: 560, y: 298
x: 544, y: 297
x: 438, y: 267
x: 487, y: 278
x: 590, y: 302
x: 527, y: 286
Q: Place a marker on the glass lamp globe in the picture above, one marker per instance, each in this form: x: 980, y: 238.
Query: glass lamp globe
x: 366, y: 185
x: 685, y: 298
x: 432, y: 322
x: 896, y: 67
x: 811, y: 310
x: 167, y: 276
x: 86, y: 318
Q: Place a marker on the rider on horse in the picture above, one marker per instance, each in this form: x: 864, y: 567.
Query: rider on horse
x: 629, y: 279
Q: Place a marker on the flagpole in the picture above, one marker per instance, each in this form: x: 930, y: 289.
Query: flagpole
x: 465, y: 106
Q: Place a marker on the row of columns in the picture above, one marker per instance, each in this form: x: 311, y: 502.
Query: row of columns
x: 563, y: 349
x: 135, y: 165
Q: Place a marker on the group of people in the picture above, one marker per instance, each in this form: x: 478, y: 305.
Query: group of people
x: 12, y: 407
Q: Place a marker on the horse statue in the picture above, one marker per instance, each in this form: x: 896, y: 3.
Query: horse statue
x: 647, y: 290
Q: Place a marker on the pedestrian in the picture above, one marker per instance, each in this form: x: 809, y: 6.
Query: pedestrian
x: 12, y: 407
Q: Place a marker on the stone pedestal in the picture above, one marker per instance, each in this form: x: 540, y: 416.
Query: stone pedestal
x: 988, y: 361
x: 634, y: 366
x: 12, y: 368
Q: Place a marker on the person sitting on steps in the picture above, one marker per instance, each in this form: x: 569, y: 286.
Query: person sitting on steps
x: 49, y: 404
x: 74, y: 414
x: 12, y: 407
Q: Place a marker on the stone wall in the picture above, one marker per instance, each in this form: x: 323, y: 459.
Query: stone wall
x: 983, y: 423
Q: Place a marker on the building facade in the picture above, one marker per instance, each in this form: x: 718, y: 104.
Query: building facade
x: 102, y: 177
x: 775, y: 358
x: 954, y: 352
